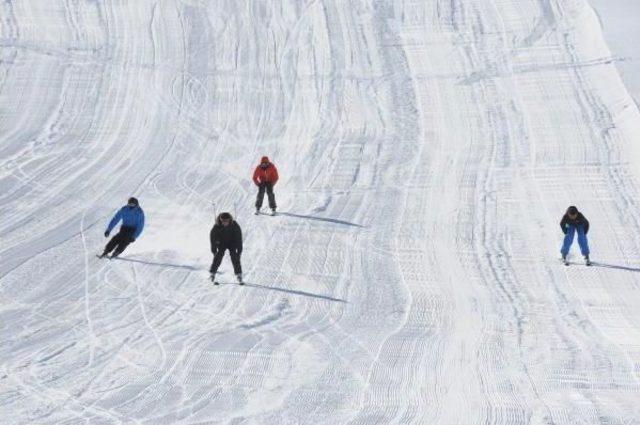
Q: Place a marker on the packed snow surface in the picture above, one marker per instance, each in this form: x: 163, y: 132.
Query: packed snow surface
x: 427, y: 151
x: 622, y: 33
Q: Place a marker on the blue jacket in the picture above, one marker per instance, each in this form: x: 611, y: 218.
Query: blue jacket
x: 131, y: 217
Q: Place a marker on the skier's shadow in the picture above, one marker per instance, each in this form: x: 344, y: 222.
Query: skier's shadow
x: 615, y: 266
x: 294, y: 292
x: 151, y: 263
x: 313, y: 217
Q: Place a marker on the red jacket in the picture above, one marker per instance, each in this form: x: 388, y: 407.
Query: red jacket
x: 265, y: 175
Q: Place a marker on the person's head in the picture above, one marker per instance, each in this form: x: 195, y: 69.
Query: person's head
x: 572, y: 212
x: 264, y: 162
x: 225, y: 218
x: 132, y: 202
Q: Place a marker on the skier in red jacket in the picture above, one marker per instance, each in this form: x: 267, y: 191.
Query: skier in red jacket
x: 265, y: 177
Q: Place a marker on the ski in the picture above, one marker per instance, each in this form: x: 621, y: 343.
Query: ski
x: 218, y: 283
x: 566, y: 262
x: 108, y: 257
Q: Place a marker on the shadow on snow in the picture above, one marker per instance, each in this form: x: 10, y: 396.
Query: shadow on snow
x: 291, y: 291
x: 151, y: 263
x: 253, y: 285
x: 330, y: 220
x: 615, y: 266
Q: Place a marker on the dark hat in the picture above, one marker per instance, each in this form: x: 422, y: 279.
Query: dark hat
x: 133, y: 201
x: 572, y: 210
x: 264, y: 159
x: 224, y: 216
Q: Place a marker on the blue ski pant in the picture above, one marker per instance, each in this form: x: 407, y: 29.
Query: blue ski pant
x: 568, y: 240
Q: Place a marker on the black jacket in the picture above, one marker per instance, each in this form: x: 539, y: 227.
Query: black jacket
x: 580, y: 220
x: 226, y: 237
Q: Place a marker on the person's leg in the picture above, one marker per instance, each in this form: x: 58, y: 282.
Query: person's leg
x: 582, y: 241
x: 235, y: 260
x: 568, y: 240
x: 271, y: 196
x: 115, y: 240
x: 125, y: 235
x: 121, y: 247
x: 260, y: 197
x: 217, y: 259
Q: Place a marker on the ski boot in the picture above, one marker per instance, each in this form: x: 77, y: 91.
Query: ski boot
x: 273, y: 211
x: 101, y: 256
x: 587, y: 261
x: 239, y: 276
x: 257, y: 211
x: 212, y: 276
x: 564, y: 260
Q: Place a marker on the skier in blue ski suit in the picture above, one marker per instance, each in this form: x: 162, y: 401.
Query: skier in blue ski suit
x: 574, y: 222
x: 132, y: 218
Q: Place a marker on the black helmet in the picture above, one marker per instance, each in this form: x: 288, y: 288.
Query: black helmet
x: 133, y: 201
x: 225, y: 216
x: 572, y: 210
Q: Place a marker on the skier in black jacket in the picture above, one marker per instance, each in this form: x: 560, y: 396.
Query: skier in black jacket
x: 574, y: 222
x: 226, y: 234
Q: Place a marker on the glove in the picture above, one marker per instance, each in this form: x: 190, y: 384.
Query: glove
x: 106, y: 234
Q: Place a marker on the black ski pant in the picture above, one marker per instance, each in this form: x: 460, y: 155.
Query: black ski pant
x: 272, y: 198
x: 235, y: 259
x: 120, y: 241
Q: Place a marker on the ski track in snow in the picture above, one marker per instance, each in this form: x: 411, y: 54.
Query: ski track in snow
x: 427, y: 151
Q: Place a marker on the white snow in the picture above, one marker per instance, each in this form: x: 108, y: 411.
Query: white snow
x: 427, y: 150
x: 619, y: 19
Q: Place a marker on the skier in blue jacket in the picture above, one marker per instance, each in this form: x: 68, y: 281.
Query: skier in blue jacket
x: 132, y: 218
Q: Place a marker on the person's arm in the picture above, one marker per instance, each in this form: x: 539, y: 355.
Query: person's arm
x: 275, y: 174
x: 256, y: 176
x: 213, y: 238
x: 239, y: 238
x: 114, y: 221
x: 586, y: 225
x: 563, y: 224
x: 139, y: 224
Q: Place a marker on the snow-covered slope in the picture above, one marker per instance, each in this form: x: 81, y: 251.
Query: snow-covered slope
x: 621, y: 32
x: 427, y: 150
